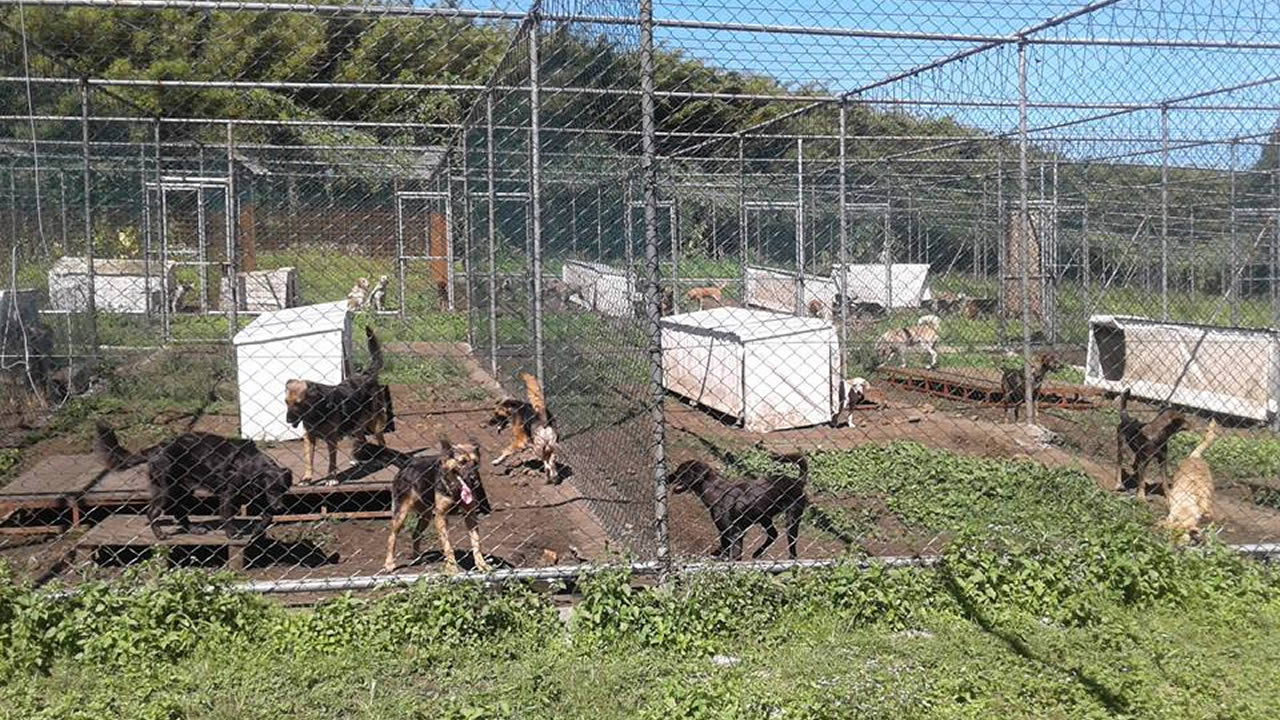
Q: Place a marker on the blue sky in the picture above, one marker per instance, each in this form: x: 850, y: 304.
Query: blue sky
x: 1057, y: 73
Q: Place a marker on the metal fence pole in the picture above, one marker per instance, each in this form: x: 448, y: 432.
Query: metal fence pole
x: 466, y: 241
x: 842, y: 280
x: 491, y: 191
x: 233, y: 244
x: 1164, y: 213
x: 800, y: 264
x: 1002, y: 255
x: 62, y: 186
x: 535, y: 193
x: 164, y: 240
x: 1085, y: 262
x: 1025, y: 236
x: 652, y: 309
x: 146, y: 230
x: 742, y: 217
x: 92, y: 302
x: 1234, y: 278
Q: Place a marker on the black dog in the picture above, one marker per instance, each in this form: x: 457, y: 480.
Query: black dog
x: 736, y: 506
x: 234, y: 470
x: 356, y: 407
x: 1149, y: 442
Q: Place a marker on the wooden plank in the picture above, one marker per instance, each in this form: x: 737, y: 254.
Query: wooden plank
x: 52, y: 481
x: 134, y: 531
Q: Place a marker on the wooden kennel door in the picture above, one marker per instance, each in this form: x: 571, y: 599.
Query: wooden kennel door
x: 438, y: 249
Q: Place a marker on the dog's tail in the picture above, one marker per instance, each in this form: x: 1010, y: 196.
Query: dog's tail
x: 375, y: 352
x: 1209, y: 436
x: 536, y: 398
x: 112, y: 453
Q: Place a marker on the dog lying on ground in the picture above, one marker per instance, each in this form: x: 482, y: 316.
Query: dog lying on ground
x: 712, y: 292
x: 852, y: 393
x: 1191, y: 493
x: 531, y: 425
x: 736, y: 506
x: 1147, y: 441
x: 1013, y: 386
x: 921, y: 338
x: 356, y: 298
x: 444, y: 483
x: 356, y: 407
x: 234, y: 470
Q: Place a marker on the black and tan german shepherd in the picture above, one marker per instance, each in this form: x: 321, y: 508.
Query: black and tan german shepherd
x: 355, y: 407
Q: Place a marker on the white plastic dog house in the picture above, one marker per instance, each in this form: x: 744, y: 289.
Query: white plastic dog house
x: 603, y: 289
x: 312, y: 342
x: 871, y: 284
x: 1231, y: 371
x: 264, y: 290
x: 770, y: 370
x: 776, y: 290
x: 119, y: 286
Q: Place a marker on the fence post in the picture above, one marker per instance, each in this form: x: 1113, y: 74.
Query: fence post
x: 842, y: 280
x: 161, y: 210
x: 233, y: 244
x: 1164, y: 213
x: 652, y: 309
x: 535, y: 192
x: 88, y: 219
x: 800, y: 263
x: 490, y: 191
x: 1025, y: 237
x: 742, y: 217
x: 466, y: 239
x: 1234, y: 277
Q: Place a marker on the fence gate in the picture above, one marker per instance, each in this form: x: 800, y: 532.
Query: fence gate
x: 424, y: 233
x: 1033, y: 245
x: 668, y: 242
x: 196, y: 240
x: 771, y: 232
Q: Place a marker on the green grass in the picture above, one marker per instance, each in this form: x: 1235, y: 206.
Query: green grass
x: 1055, y: 601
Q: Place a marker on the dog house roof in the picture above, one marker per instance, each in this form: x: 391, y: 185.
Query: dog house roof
x: 744, y: 325
x: 295, y: 322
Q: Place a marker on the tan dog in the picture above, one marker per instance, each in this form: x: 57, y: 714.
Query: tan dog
x: 452, y: 481
x: 921, y: 338
x: 531, y: 425
x: 356, y: 298
x: 711, y: 292
x: 1191, y: 495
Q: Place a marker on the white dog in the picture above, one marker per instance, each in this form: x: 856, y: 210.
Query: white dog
x: 356, y: 298
x: 379, y: 295
x: 899, y: 341
x: 852, y: 394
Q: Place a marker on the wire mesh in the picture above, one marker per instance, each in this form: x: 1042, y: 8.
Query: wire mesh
x: 680, y: 274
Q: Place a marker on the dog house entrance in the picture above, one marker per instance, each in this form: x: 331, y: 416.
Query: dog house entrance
x: 195, y: 232
x: 424, y: 234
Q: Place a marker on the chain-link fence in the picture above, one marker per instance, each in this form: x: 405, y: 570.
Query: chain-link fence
x: 663, y: 277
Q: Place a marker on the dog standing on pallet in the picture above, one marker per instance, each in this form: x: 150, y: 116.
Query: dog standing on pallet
x: 736, y: 506
x: 1147, y: 441
x: 531, y: 425
x: 356, y: 407
x: 451, y: 481
x: 923, y: 337
x: 236, y: 471
x: 1013, y: 386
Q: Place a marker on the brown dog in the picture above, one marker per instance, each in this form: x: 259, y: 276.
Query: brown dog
x: 1147, y: 441
x: 452, y: 481
x: 531, y: 425
x: 356, y: 407
x: 710, y: 291
x: 1191, y: 494
x: 1013, y: 385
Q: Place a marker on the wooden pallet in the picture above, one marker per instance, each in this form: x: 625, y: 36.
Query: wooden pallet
x: 983, y: 387
x: 133, y: 531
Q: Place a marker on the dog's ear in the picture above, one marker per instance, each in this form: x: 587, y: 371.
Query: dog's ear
x: 368, y: 331
x: 445, y: 445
